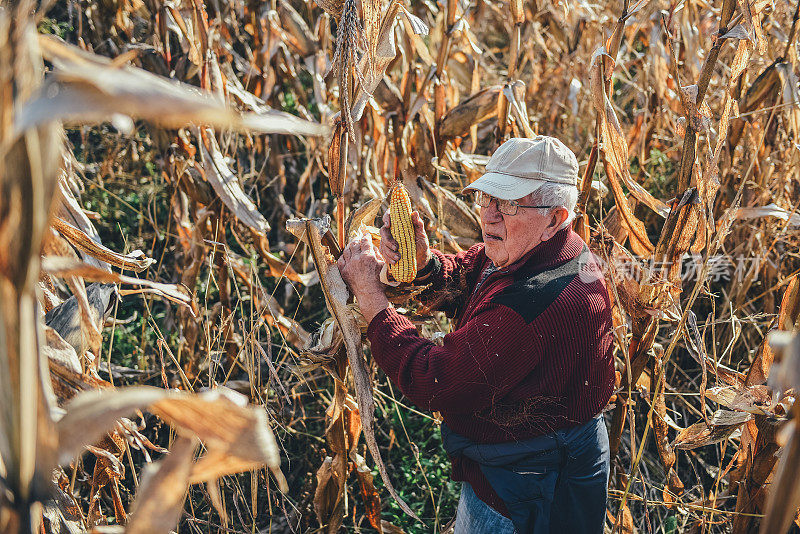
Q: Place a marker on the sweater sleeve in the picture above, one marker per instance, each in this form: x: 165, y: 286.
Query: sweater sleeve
x: 479, y: 362
x: 450, y: 278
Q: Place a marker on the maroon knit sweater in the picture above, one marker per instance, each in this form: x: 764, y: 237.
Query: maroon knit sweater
x: 530, y: 354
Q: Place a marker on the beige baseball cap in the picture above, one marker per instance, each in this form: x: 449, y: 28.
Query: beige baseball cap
x: 521, y: 165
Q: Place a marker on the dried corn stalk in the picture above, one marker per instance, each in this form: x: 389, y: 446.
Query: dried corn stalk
x: 336, y: 296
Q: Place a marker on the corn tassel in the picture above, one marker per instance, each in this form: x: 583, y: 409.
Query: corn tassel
x: 405, y: 270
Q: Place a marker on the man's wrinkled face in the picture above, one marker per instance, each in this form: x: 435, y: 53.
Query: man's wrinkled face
x: 509, y: 237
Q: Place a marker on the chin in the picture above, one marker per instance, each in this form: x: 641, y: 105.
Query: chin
x: 493, y: 252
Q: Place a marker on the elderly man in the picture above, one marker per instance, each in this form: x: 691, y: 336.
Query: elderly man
x: 522, y: 379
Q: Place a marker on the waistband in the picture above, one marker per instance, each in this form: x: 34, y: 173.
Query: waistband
x: 503, y: 454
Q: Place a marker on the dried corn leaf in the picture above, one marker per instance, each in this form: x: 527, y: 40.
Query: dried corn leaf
x: 737, y: 32
x: 87, y: 88
x: 791, y: 95
x: 331, y: 7
x: 789, y: 313
x: 515, y: 94
x: 629, y: 275
x: 324, y: 343
x: 458, y: 216
x: 227, y: 185
x: 217, y: 464
x: 660, y: 426
x: 328, y: 494
x: 365, y: 213
x: 471, y: 111
x: 626, y: 524
x: 184, y: 30
x: 418, y: 26
x: 337, y: 160
x: 752, y: 23
x: 71, y: 211
x: 92, y: 413
x: 65, y: 267
x: 754, y: 399
x: 739, y: 63
x: 765, y: 86
x: 722, y: 424
x: 237, y: 436
x: 160, y: 497
x: 391, y: 528
x: 374, y: 64
x: 59, y: 351
x: 615, y: 148
x: 770, y: 210
x: 637, y: 234
x: 371, y: 10
x: 784, y: 496
x: 267, y: 120
x: 28, y: 179
x: 91, y: 338
x: 369, y: 495
x: 788, y: 321
x: 417, y: 195
x: 281, y: 269
x: 278, y: 122
x: 135, y: 261
x: 299, y: 35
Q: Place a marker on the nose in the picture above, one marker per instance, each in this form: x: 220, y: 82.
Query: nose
x: 490, y: 213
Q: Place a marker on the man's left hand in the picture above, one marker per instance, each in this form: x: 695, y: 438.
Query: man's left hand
x: 360, y: 265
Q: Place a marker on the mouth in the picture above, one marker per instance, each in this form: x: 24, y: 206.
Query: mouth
x: 491, y: 237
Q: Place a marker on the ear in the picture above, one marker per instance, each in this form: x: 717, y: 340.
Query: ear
x: 557, y: 218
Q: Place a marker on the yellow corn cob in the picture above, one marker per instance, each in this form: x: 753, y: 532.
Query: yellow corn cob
x: 405, y: 270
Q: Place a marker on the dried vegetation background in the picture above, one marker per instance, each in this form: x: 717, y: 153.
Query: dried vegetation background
x: 162, y: 161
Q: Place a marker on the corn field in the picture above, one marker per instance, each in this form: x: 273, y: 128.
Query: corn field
x: 178, y: 351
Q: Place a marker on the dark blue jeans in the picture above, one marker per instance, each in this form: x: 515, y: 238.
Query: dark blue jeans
x: 552, y: 484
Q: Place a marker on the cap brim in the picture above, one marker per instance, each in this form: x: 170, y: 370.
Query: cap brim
x: 504, y: 186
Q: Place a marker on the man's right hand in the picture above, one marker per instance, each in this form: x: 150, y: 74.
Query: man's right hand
x: 389, y: 247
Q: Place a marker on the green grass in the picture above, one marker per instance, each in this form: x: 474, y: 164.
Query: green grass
x: 53, y: 27
x: 412, y: 472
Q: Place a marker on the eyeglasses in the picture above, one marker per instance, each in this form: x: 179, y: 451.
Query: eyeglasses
x: 506, y: 207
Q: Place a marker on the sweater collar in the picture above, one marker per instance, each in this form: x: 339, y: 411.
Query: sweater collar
x: 563, y: 246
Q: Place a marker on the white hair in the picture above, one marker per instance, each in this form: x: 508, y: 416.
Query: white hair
x: 557, y: 195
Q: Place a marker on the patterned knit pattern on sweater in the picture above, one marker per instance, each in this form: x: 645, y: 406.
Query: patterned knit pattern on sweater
x: 531, y: 351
